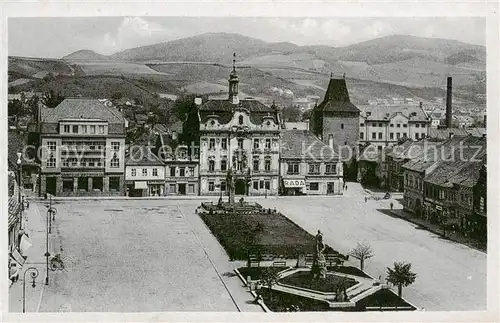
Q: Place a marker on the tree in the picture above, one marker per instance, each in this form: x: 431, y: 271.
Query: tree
x: 362, y: 252
x: 401, y: 276
x: 15, y: 108
x: 291, y: 113
x: 51, y: 99
x: 33, y: 107
x: 268, y: 277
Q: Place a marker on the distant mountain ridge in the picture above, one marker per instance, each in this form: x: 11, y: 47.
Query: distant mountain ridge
x: 86, y: 55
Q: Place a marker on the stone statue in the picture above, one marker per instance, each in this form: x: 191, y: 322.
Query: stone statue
x: 230, y: 186
x: 319, y: 262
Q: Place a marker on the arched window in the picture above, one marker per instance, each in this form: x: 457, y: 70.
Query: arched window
x: 240, y: 119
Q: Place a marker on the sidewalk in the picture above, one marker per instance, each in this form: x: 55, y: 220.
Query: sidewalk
x: 436, y: 229
x: 36, y: 228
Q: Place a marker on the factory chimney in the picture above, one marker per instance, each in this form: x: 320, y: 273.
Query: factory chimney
x: 448, y: 102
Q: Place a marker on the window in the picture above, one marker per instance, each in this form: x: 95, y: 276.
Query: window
x: 211, y: 143
x: 51, y: 162
x: 422, y: 125
x: 239, y: 165
x: 361, y: 135
x: 75, y: 129
x: 223, y: 186
x: 240, y: 120
x: 405, y: 125
x: 255, y: 185
x: 223, y: 165
x: 380, y: 136
x: 267, y: 165
x: 417, y: 125
x: 92, y: 129
x: 380, y: 125
x: 374, y: 135
x: 268, y: 143
x: 182, y: 171
x: 134, y: 172
x: 422, y: 135
x: 261, y: 184
x: 155, y: 171
x: 191, y: 188
x: 398, y: 135
x: 224, y: 143
x: 67, y: 128
x: 256, y: 144
x: 267, y: 185
x: 211, y: 186
x: 313, y: 168
x: 416, y: 136
x: 341, y: 126
x: 91, y: 163
x: 391, y: 135
x: 191, y: 171
x: 211, y: 165
x: 115, y: 145
x: 293, y: 169
x: 392, y: 124
x: 240, y: 143
x: 144, y: 172
x: 51, y: 145
x: 331, y: 169
x: 314, y: 186
x: 255, y: 164
x: 398, y: 125
x: 172, y: 171
x: 115, y: 162
x: 361, y: 124
x: 66, y: 163
x: 101, y: 129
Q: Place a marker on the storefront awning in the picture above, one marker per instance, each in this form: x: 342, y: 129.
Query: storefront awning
x: 140, y: 185
x: 289, y: 183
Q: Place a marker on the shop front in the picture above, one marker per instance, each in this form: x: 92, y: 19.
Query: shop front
x: 294, y: 186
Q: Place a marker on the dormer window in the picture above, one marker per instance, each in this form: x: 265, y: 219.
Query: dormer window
x: 269, y: 123
x: 240, y: 120
x: 212, y: 122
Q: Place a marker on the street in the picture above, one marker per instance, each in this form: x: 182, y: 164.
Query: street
x: 157, y: 255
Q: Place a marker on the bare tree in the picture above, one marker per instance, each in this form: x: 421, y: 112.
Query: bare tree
x: 362, y: 252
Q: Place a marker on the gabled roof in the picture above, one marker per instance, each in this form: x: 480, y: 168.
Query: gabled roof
x: 142, y: 156
x: 337, y: 98
x: 82, y: 108
x: 302, y: 144
x: 444, y: 133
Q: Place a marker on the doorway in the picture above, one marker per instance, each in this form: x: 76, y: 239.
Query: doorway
x: 182, y: 189
x: 51, y: 185
x: 240, y: 187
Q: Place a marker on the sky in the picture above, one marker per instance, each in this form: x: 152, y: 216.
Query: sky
x: 56, y: 37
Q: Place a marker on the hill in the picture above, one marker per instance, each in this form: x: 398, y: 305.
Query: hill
x: 86, y: 55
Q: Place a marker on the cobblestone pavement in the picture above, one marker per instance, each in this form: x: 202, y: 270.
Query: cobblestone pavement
x: 131, y: 256
x: 451, y: 276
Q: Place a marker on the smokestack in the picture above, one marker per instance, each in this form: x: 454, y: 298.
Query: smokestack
x: 448, y: 102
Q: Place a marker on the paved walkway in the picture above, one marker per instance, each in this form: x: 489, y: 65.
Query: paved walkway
x: 36, y: 228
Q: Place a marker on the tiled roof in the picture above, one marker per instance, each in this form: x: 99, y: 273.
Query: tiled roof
x: 224, y: 110
x: 142, y: 156
x: 444, y: 133
x: 14, y: 208
x: 411, y: 149
x: 337, y: 98
x: 477, y: 132
x: 386, y: 112
x: 303, y: 144
x: 82, y: 108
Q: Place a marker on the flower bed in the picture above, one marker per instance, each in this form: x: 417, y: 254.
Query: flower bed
x: 276, y: 234
x: 278, y: 301
x: 349, y: 270
x: 385, y: 299
x: 255, y: 272
x: 329, y: 284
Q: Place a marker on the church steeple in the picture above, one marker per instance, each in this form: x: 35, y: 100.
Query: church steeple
x: 233, y: 83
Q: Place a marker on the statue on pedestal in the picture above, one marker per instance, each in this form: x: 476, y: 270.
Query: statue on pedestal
x: 318, y: 269
x: 230, y: 186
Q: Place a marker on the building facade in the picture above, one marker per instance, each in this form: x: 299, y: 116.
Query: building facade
x: 241, y: 135
x: 387, y: 125
x: 309, y: 166
x: 82, y: 149
x: 144, y: 173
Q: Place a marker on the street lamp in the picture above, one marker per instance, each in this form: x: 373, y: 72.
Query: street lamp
x: 33, y: 274
x: 20, y: 182
x: 47, y: 254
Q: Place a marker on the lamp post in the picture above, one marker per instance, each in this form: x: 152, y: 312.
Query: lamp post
x: 20, y: 182
x: 34, y: 274
x: 47, y: 254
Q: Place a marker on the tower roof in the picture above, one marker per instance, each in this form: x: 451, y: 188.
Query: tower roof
x: 337, y: 98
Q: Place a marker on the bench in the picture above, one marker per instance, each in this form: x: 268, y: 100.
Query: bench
x: 279, y: 264
x: 254, y: 263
